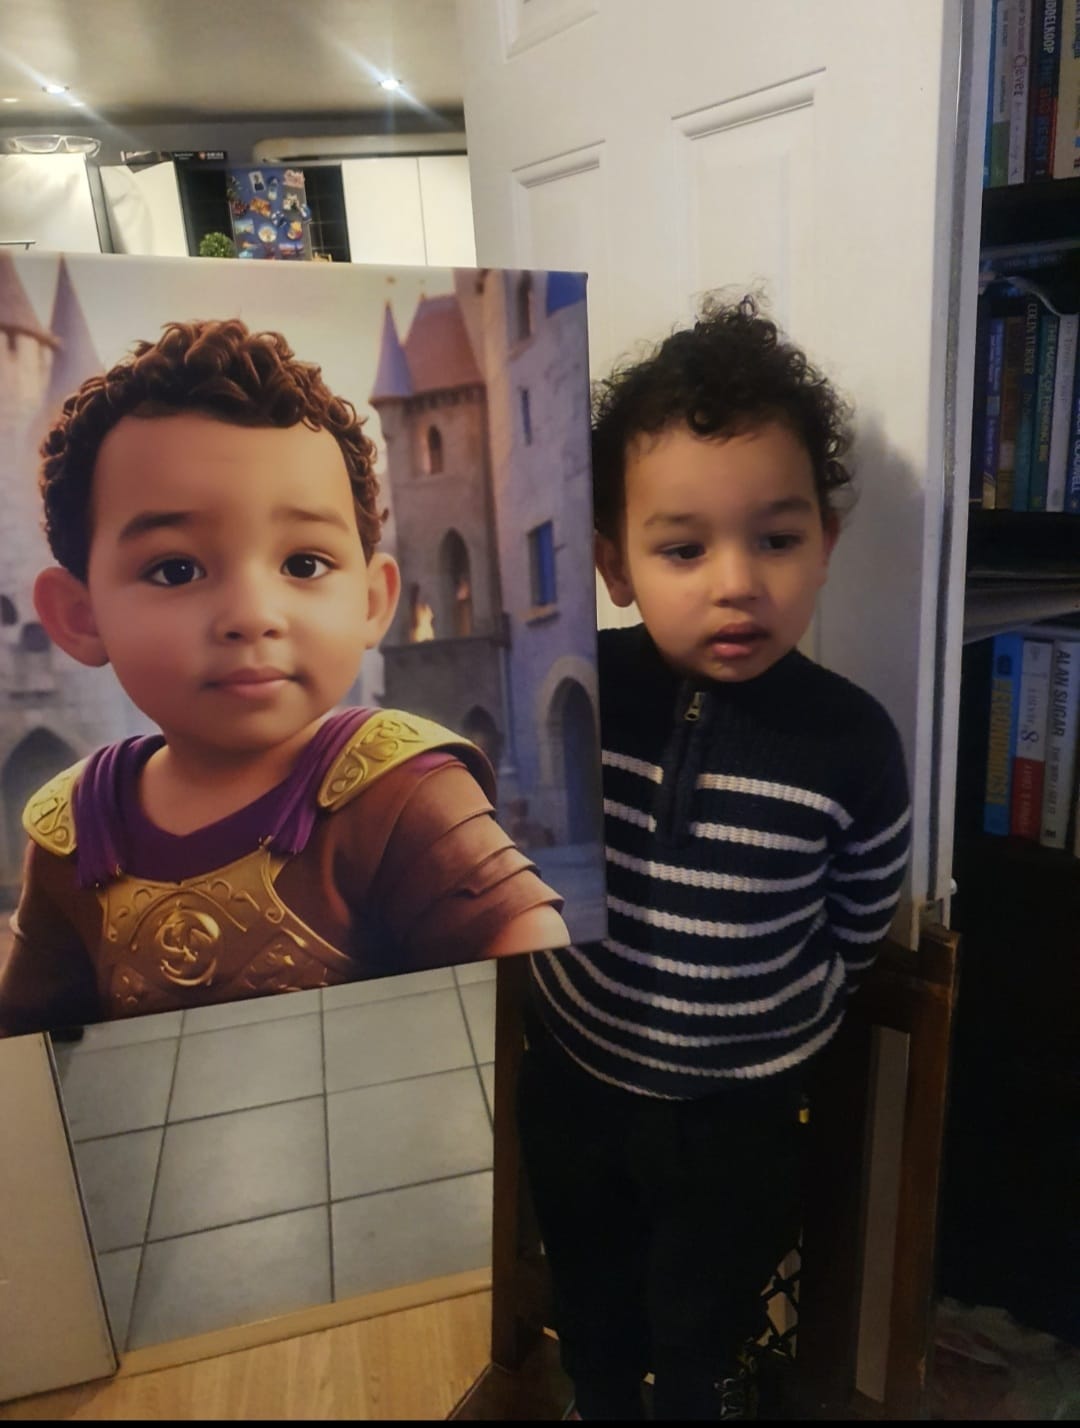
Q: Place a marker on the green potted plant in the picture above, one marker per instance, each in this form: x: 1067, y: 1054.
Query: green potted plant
x: 216, y: 245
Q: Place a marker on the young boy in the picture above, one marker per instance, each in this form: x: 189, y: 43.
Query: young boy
x: 757, y: 818
x: 214, y: 512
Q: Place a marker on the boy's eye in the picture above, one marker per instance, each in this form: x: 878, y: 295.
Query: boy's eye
x: 780, y: 540
x: 690, y: 550
x: 304, y: 566
x: 178, y: 570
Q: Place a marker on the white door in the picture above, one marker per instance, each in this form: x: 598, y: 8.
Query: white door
x: 829, y: 151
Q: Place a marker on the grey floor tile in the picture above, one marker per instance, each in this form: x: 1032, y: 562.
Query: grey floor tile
x: 117, y: 1179
x: 242, y: 1066
x: 479, y: 1000
x: 475, y: 972
x: 487, y: 1075
x: 118, y: 1272
x: 381, y: 989
x: 106, y: 1092
x: 129, y: 1031
x: 404, y: 1236
x: 235, y: 1275
x: 241, y: 1166
x: 254, y: 1009
x: 390, y: 1040
x: 407, y: 1132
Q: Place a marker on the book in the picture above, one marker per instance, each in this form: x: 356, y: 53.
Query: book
x: 1004, y: 707
x: 992, y: 414
x: 1029, y: 758
x: 1046, y: 369
x: 1025, y: 425
x: 1072, y: 451
x: 979, y: 394
x: 1061, y: 418
x: 1042, y: 106
x: 1019, y: 79
x: 1067, y: 126
x: 1061, y: 737
x: 998, y: 99
x: 1012, y: 361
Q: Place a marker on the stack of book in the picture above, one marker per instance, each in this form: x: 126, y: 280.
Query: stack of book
x: 1031, y: 769
x: 1026, y: 414
x: 1033, y: 109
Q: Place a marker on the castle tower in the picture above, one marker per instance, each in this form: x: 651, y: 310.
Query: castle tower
x: 432, y: 404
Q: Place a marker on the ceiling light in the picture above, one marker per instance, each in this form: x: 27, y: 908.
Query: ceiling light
x: 390, y: 83
x: 55, y: 88
x: 9, y: 99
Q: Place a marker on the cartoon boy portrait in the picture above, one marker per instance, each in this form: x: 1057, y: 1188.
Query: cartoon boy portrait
x: 214, y: 516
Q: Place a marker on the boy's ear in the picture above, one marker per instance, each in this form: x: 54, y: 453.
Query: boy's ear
x: 384, y: 588
x: 63, y: 606
x: 612, y: 567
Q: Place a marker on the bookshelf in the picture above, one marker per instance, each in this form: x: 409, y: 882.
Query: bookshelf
x: 1010, y: 1233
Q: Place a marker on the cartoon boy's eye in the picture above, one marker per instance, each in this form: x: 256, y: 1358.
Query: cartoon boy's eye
x: 305, y: 566
x: 177, y: 571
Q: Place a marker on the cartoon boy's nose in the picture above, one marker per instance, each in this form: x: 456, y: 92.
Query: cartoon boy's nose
x: 249, y: 611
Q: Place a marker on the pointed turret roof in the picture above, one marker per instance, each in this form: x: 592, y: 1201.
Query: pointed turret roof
x: 393, y: 378
x: 438, y: 349
x: 77, y: 358
x: 16, y: 312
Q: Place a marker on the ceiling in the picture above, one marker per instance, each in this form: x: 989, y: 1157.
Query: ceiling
x: 175, y: 61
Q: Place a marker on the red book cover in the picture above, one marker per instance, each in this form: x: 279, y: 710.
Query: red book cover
x: 1029, y: 762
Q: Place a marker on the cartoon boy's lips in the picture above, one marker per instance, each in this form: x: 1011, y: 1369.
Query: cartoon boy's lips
x: 250, y: 678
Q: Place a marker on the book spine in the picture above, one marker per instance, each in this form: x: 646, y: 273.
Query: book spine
x: 1029, y: 761
x: 978, y: 400
x: 1072, y: 470
x: 989, y: 138
x: 1004, y: 705
x: 999, y: 97
x: 1020, y: 52
x: 1012, y: 361
x: 1044, y: 410
x: 1067, y: 130
x: 1025, y: 426
x: 1045, y: 31
x: 1064, y: 377
x: 992, y: 430
x: 1061, y: 736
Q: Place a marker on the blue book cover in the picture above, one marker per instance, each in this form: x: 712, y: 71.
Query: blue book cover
x: 1044, y: 410
x: 992, y: 420
x: 1045, y: 31
x: 990, y: 96
x: 1072, y: 475
x: 1004, y: 717
x: 1025, y: 428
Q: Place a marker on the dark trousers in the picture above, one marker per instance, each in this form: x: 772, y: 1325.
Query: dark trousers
x: 662, y: 1222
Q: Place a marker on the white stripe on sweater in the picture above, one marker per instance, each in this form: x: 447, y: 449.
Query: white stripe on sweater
x: 684, y: 1008
x: 630, y: 815
x: 675, y: 1038
x: 874, y: 935
x: 862, y: 909
x: 885, y: 871
x: 741, y: 1073
x: 882, y: 837
x: 700, y: 878
x: 790, y: 793
x: 710, y: 971
x: 726, y: 833
x: 653, y: 772
x: 701, y: 927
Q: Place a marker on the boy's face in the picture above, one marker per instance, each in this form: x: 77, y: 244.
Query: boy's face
x: 227, y: 583
x: 723, y: 548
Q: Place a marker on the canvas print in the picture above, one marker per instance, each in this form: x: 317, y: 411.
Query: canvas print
x: 297, y: 632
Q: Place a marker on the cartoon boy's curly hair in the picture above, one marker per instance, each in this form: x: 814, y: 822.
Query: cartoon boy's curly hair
x: 218, y: 367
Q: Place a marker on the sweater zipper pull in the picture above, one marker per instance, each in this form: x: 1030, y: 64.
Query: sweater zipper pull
x: 693, y: 709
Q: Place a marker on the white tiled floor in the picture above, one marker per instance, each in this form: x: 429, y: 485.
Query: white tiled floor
x: 247, y: 1160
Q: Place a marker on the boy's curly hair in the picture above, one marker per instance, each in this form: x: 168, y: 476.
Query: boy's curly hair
x: 214, y: 366
x: 728, y: 374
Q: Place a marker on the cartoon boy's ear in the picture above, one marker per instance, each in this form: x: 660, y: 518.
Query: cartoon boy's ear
x: 384, y: 587
x: 612, y: 566
x: 63, y: 606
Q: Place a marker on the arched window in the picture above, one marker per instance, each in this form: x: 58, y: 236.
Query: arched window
x: 33, y: 639
x: 524, y: 307
x: 481, y: 728
x: 455, y: 579
x: 434, y: 451
x: 8, y: 613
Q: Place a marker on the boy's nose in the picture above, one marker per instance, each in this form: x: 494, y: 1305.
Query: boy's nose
x: 733, y: 577
x: 248, y: 612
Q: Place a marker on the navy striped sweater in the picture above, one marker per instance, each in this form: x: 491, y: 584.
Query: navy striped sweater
x: 757, y: 837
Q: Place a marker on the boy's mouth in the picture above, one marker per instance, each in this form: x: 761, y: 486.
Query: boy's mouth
x: 252, y: 683
x: 736, y: 641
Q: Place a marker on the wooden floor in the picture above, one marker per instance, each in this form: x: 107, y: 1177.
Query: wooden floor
x: 413, y: 1364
